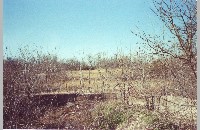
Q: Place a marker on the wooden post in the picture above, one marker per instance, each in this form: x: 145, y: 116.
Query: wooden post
x: 152, y: 103
x: 103, y: 83
x: 66, y: 86
x: 147, y: 102
x: 89, y: 76
x: 81, y: 76
x: 159, y: 102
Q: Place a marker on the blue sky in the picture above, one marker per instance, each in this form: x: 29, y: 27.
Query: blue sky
x: 73, y: 26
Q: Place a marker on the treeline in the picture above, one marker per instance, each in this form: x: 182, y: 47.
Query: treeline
x: 163, y: 67
x: 134, y: 66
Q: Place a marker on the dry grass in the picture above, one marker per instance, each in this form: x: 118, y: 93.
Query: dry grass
x: 102, y: 81
x: 131, y: 90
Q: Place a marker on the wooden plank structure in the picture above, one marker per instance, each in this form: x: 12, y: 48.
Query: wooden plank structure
x: 59, y: 99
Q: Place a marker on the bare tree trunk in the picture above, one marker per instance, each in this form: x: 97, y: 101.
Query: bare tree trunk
x: 124, y: 92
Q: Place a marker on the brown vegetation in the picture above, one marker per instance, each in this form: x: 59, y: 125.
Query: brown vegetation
x: 160, y: 91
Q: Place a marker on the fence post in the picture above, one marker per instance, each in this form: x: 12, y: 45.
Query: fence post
x: 89, y: 76
x: 159, y: 102
x: 152, y: 103
x: 147, y: 102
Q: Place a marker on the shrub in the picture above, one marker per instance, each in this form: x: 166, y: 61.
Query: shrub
x: 109, y: 115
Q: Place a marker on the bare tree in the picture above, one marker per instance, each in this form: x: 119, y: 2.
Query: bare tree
x: 180, y: 19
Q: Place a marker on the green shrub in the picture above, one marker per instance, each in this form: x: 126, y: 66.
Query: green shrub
x: 109, y: 115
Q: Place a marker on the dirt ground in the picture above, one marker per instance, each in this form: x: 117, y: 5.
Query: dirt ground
x: 71, y: 116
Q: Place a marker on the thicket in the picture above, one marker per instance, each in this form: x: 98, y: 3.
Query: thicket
x: 176, y: 61
x: 20, y: 78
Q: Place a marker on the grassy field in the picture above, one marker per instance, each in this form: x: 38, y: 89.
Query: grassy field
x: 110, y: 81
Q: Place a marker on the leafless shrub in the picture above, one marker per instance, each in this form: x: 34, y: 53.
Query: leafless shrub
x: 139, y: 78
